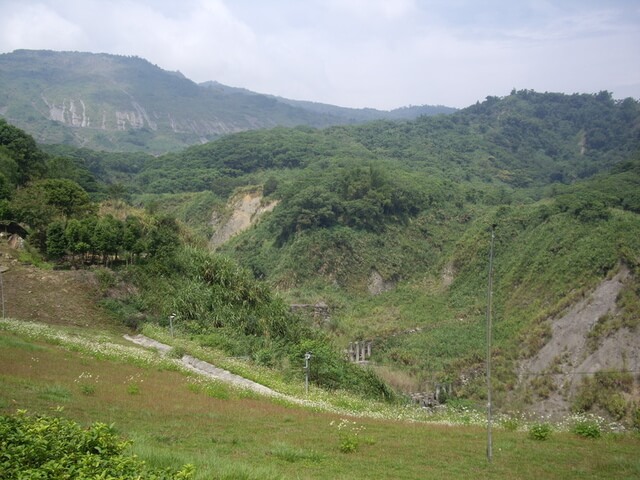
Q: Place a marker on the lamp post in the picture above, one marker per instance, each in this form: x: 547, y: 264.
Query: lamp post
x: 307, y: 357
x: 2, y: 270
x: 489, y: 301
x: 171, y: 317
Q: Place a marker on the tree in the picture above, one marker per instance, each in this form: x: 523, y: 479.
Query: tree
x: 118, y: 192
x: 24, y: 151
x: 270, y: 186
x: 44, y: 201
x: 67, y: 197
x: 5, y: 187
x: 72, y: 169
x: 56, y: 240
x: 107, y: 237
x: 310, y: 208
x: 40, y: 202
x: 132, y: 237
x: 77, y: 237
x: 30, y: 206
x: 163, y: 238
x: 8, y: 167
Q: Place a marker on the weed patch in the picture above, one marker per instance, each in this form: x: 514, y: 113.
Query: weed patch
x: 291, y: 454
x: 55, y: 393
x: 540, y: 431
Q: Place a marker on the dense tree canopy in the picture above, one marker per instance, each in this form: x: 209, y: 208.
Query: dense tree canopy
x: 26, y: 160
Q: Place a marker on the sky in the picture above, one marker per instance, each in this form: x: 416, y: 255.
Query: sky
x: 354, y: 53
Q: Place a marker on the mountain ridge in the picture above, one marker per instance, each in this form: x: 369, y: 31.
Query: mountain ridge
x: 121, y: 103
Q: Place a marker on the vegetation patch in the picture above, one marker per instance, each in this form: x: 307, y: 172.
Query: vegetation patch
x: 52, y: 447
x: 607, y: 391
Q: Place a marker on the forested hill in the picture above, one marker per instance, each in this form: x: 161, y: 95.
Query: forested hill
x: 388, y: 222
x: 117, y: 103
x: 524, y: 140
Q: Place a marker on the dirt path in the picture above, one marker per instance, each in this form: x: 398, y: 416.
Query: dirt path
x: 204, y: 368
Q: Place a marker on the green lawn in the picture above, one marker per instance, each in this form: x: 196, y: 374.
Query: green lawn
x: 174, y: 419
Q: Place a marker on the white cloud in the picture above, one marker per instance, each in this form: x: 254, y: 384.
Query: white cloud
x: 376, y: 53
x: 372, y: 9
x: 34, y: 25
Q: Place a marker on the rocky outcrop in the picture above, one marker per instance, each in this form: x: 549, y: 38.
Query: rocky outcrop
x: 70, y: 112
x: 378, y: 285
x: 318, y: 312
x: 246, y: 209
x: 567, y: 357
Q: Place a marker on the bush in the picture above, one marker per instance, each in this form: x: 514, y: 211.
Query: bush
x: 604, y: 391
x: 635, y: 418
x: 51, y: 447
x: 510, y: 424
x: 540, y: 431
x: 348, y: 435
x: 177, y: 352
x: 587, y: 429
x: 616, y: 405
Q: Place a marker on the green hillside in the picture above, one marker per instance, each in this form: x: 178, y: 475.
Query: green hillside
x: 387, y: 223
x: 413, y: 203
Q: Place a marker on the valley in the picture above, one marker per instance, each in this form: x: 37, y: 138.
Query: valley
x: 299, y: 231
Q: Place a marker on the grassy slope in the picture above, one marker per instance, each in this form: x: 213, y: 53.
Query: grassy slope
x: 229, y: 435
x: 175, y: 419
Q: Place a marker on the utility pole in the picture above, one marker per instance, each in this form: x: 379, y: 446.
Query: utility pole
x: 489, y: 301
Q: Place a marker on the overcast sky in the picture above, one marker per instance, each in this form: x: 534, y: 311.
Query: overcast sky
x: 355, y: 53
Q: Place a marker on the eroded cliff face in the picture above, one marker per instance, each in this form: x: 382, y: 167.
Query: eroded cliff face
x: 568, y: 357
x: 70, y: 112
x: 80, y: 113
x: 244, y: 210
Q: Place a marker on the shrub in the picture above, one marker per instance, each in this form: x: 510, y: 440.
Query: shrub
x: 177, y: 352
x: 540, y: 431
x: 604, y: 391
x: 348, y: 435
x: 133, y: 389
x: 616, y: 405
x: 510, y: 424
x: 87, y: 389
x: 51, y: 447
x: 635, y: 418
x: 587, y: 429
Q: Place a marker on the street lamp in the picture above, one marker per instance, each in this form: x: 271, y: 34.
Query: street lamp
x: 171, y: 318
x: 307, y: 357
x: 489, y: 301
x: 2, y: 270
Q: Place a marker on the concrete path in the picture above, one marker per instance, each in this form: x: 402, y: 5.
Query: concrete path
x: 204, y: 368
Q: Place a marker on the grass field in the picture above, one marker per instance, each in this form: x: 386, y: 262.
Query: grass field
x: 175, y: 419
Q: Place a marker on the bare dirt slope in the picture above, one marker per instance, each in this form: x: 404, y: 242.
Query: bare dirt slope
x: 246, y: 209
x: 567, y: 358
x: 48, y: 296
